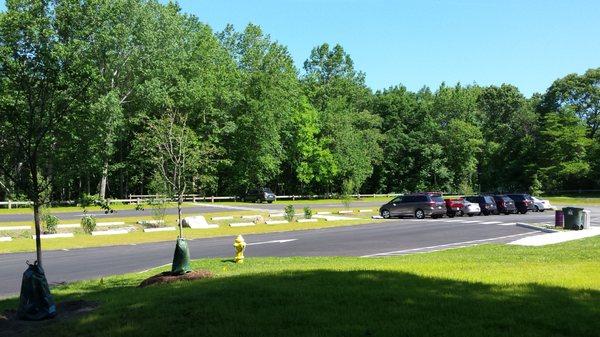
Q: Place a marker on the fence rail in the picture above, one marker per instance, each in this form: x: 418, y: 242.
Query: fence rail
x: 139, y: 198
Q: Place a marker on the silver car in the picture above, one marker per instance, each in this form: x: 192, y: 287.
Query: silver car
x: 470, y: 208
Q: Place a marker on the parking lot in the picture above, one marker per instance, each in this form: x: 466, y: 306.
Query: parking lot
x: 388, y: 238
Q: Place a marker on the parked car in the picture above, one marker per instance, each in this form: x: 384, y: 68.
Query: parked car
x: 523, y: 202
x: 454, y: 206
x: 540, y: 205
x: 505, y: 204
x: 470, y: 208
x: 260, y: 195
x: 418, y: 205
x: 486, y: 203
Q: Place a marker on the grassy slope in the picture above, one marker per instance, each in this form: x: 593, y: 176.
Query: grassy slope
x: 488, y: 290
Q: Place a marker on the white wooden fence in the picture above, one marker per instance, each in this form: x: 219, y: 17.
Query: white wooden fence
x: 139, y: 198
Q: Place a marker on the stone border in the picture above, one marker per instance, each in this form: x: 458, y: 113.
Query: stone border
x: 307, y: 220
x: 15, y: 228
x: 5, y: 238
x: 110, y: 232
x: 214, y: 218
x: 159, y: 229
x: 69, y: 225
x: 541, y: 229
x: 54, y: 236
x: 242, y: 224
x: 108, y: 224
x: 276, y: 222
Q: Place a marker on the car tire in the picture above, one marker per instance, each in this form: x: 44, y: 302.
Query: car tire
x: 471, y: 214
x: 419, y: 214
x: 270, y: 201
x: 385, y: 214
x: 523, y: 212
x: 506, y: 213
x: 486, y: 213
x: 537, y: 209
x: 451, y: 215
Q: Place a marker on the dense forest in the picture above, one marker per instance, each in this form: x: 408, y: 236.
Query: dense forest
x: 82, y: 82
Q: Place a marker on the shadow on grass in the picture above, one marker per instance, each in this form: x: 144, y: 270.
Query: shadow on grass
x: 330, y: 303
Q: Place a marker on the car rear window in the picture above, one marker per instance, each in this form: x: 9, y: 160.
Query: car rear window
x: 489, y: 199
x: 517, y: 197
x: 507, y: 199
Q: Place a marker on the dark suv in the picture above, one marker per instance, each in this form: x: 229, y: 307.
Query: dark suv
x: 523, y: 202
x: 260, y: 195
x: 505, y: 204
x: 418, y: 205
x: 486, y: 203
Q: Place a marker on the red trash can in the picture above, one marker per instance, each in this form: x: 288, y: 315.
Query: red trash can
x: 559, y: 219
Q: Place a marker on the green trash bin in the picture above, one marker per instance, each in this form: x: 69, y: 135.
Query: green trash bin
x: 573, y: 217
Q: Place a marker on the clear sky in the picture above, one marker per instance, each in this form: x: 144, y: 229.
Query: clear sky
x: 416, y: 43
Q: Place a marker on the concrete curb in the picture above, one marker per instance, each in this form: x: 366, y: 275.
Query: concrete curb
x: 159, y: 229
x: 541, y: 229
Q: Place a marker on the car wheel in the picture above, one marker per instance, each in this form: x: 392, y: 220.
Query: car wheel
x: 419, y: 214
x: 537, y: 209
x: 270, y: 201
x: 486, y: 213
x: 542, y: 210
x: 523, y: 212
x: 385, y: 214
x: 506, y: 213
x: 451, y: 215
x: 471, y: 214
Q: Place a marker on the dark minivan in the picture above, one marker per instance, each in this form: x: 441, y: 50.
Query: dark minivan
x: 260, y: 195
x: 505, y: 204
x: 486, y: 203
x: 418, y: 205
x: 523, y: 202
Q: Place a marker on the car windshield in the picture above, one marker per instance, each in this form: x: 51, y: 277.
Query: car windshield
x: 489, y: 199
x: 507, y: 199
x: 396, y: 199
x: 437, y: 198
x: 268, y: 190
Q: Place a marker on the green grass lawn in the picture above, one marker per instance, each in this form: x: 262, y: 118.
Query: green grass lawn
x: 574, y: 201
x: 22, y: 241
x: 487, y: 290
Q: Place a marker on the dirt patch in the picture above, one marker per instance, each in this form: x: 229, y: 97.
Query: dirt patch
x: 167, y: 277
x: 10, y: 325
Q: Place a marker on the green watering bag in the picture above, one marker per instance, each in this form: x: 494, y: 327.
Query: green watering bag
x: 181, y: 259
x: 36, y: 302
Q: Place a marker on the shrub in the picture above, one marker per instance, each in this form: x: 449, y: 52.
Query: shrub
x: 88, y: 223
x: 50, y: 223
x: 308, y: 212
x: 289, y: 212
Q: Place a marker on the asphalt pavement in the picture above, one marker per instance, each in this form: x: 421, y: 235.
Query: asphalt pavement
x: 391, y: 237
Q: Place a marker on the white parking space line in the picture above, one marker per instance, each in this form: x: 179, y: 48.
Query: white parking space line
x: 507, y: 224
x: 447, y: 245
x: 457, y: 220
x: 471, y: 221
x: 491, y: 222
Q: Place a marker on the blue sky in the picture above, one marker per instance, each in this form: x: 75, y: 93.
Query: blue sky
x: 416, y: 43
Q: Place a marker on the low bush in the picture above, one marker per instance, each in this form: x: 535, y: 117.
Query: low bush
x: 289, y: 212
x: 308, y: 212
x: 50, y: 223
x: 88, y: 223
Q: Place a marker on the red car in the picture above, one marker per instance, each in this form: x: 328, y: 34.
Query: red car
x: 454, y: 206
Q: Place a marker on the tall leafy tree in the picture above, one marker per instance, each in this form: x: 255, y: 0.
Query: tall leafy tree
x: 43, y: 79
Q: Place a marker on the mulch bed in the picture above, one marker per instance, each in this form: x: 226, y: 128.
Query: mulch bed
x: 10, y: 325
x: 167, y: 277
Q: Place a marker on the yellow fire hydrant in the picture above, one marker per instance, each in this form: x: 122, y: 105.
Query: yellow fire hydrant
x: 240, y: 245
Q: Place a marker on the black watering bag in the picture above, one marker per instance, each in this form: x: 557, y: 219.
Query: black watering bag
x: 36, y: 302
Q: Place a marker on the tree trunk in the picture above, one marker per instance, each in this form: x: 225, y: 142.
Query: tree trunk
x: 104, y: 180
x: 38, y: 231
x: 179, y: 202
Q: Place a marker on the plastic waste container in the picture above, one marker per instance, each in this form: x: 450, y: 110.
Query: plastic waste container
x: 559, y: 218
x: 587, y: 217
x: 573, y: 217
